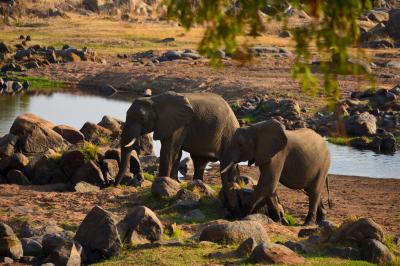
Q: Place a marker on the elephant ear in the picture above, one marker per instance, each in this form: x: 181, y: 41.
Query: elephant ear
x: 173, y: 111
x: 270, y: 139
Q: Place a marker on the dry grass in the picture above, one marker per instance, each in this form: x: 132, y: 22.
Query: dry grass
x: 110, y: 35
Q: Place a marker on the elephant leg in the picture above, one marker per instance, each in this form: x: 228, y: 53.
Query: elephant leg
x: 175, y: 167
x: 266, y: 188
x: 321, y: 212
x: 314, y: 198
x: 170, y: 148
x: 199, y: 164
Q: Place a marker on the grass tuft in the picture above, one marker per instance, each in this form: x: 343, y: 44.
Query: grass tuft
x: 149, y: 177
x: 40, y: 83
x: 291, y: 220
x: 90, y: 152
x: 340, y: 140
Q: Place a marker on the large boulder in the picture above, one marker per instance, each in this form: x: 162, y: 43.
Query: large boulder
x: 71, y: 161
x: 111, y: 123
x: 376, y: 252
x: 98, y: 235
x: 246, y: 247
x: 31, y: 247
x: 83, y: 187
x: 234, y: 232
x: 200, y: 187
x: 47, y: 171
x: 7, y: 145
x: 36, y: 135
x: 393, y: 23
x: 72, y: 135
x: 91, y: 173
x: 61, y: 251
x: 165, y: 187
x: 110, y: 169
x: 10, y: 246
x: 94, y: 133
x: 268, y: 253
x: 358, y: 231
x: 363, y: 124
x: 17, y: 177
x: 140, y: 226
x: 186, y: 167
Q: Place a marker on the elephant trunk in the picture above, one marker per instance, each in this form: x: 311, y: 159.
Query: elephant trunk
x: 128, y: 137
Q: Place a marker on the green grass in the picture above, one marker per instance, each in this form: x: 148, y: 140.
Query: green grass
x: 291, y: 220
x: 397, y: 139
x: 148, y: 176
x: 248, y: 119
x: 40, y: 83
x: 90, y: 152
x: 340, y: 140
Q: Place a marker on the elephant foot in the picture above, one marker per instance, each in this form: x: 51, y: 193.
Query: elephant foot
x: 309, y: 220
x: 321, y: 215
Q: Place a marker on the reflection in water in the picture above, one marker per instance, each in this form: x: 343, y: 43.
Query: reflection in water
x: 74, y: 110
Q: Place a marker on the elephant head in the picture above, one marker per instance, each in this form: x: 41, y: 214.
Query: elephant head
x: 161, y: 114
x: 256, y: 144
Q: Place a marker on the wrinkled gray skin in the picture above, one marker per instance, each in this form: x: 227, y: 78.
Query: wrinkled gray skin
x: 298, y: 159
x: 200, y: 123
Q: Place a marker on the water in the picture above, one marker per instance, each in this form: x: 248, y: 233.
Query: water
x: 75, y: 110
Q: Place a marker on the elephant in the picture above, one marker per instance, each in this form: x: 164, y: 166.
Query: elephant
x: 200, y: 123
x: 299, y: 159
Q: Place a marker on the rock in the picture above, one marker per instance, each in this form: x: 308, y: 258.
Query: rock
x: 47, y: 171
x: 285, y: 34
x: 10, y: 246
x: 16, y: 86
x: 194, y: 215
x: 275, y: 254
x: 111, y: 123
x: 31, y: 247
x: 107, y: 90
x: 363, y: 124
x: 140, y: 226
x: 4, y: 48
x: 200, y: 187
x: 378, y: 16
x: 194, y: 56
x: 263, y: 219
x: 71, y: 161
x: 246, y: 181
x: 7, y: 145
x: 61, y: 251
x: 23, y: 54
x: 16, y: 161
x: 147, y: 93
x: 110, y: 169
x: 185, y: 194
x: 31, y: 65
x: 246, y: 248
x: 170, y: 55
x: 165, y: 187
x: 83, y: 187
x: 376, y: 252
x: 297, y: 247
x: 314, y: 240
x: 149, y: 163
x: 35, y: 134
x: 344, y: 253
x: 70, y: 134
x: 6, y: 260
x: 37, y: 231
x: 98, y: 235
x: 94, y: 133
x: 234, y: 232
x: 17, y: 177
x: 168, y: 40
x: 388, y: 143
x: 393, y: 23
x: 305, y: 232
x: 31, y: 260
x: 358, y: 231
x: 186, y: 167
x: 90, y: 173
x: 185, y: 205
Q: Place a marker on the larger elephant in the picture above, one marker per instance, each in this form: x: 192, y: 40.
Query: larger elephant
x: 298, y: 159
x: 200, y: 123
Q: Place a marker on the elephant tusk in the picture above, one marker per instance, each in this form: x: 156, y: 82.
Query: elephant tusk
x: 227, y: 168
x: 130, y: 143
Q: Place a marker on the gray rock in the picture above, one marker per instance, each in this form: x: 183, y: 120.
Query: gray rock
x: 83, y: 187
x: 185, y: 194
x: 71, y: 161
x: 246, y: 247
x: 186, y: 167
x: 70, y: 134
x: 111, y: 123
x: 98, y: 235
x: 199, y: 186
x: 47, y: 171
x: 140, y: 226
x: 90, y: 173
x: 18, y: 178
x: 297, y: 247
x: 61, y: 251
x: 35, y: 134
x: 31, y: 247
x: 393, y: 23
x: 376, y: 252
x: 260, y: 218
x: 304, y: 232
x: 358, y: 231
x: 10, y: 246
x: 6, y: 260
x: 93, y: 132
x: 110, y: 170
x: 275, y: 254
x: 165, y: 187
x: 344, y: 252
x: 234, y: 232
x: 363, y: 124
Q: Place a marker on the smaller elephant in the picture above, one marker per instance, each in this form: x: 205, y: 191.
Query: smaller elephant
x: 298, y: 159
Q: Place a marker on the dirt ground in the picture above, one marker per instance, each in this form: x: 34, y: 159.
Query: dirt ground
x: 351, y: 196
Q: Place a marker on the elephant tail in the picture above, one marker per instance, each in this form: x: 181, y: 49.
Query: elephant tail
x: 329, y: 196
